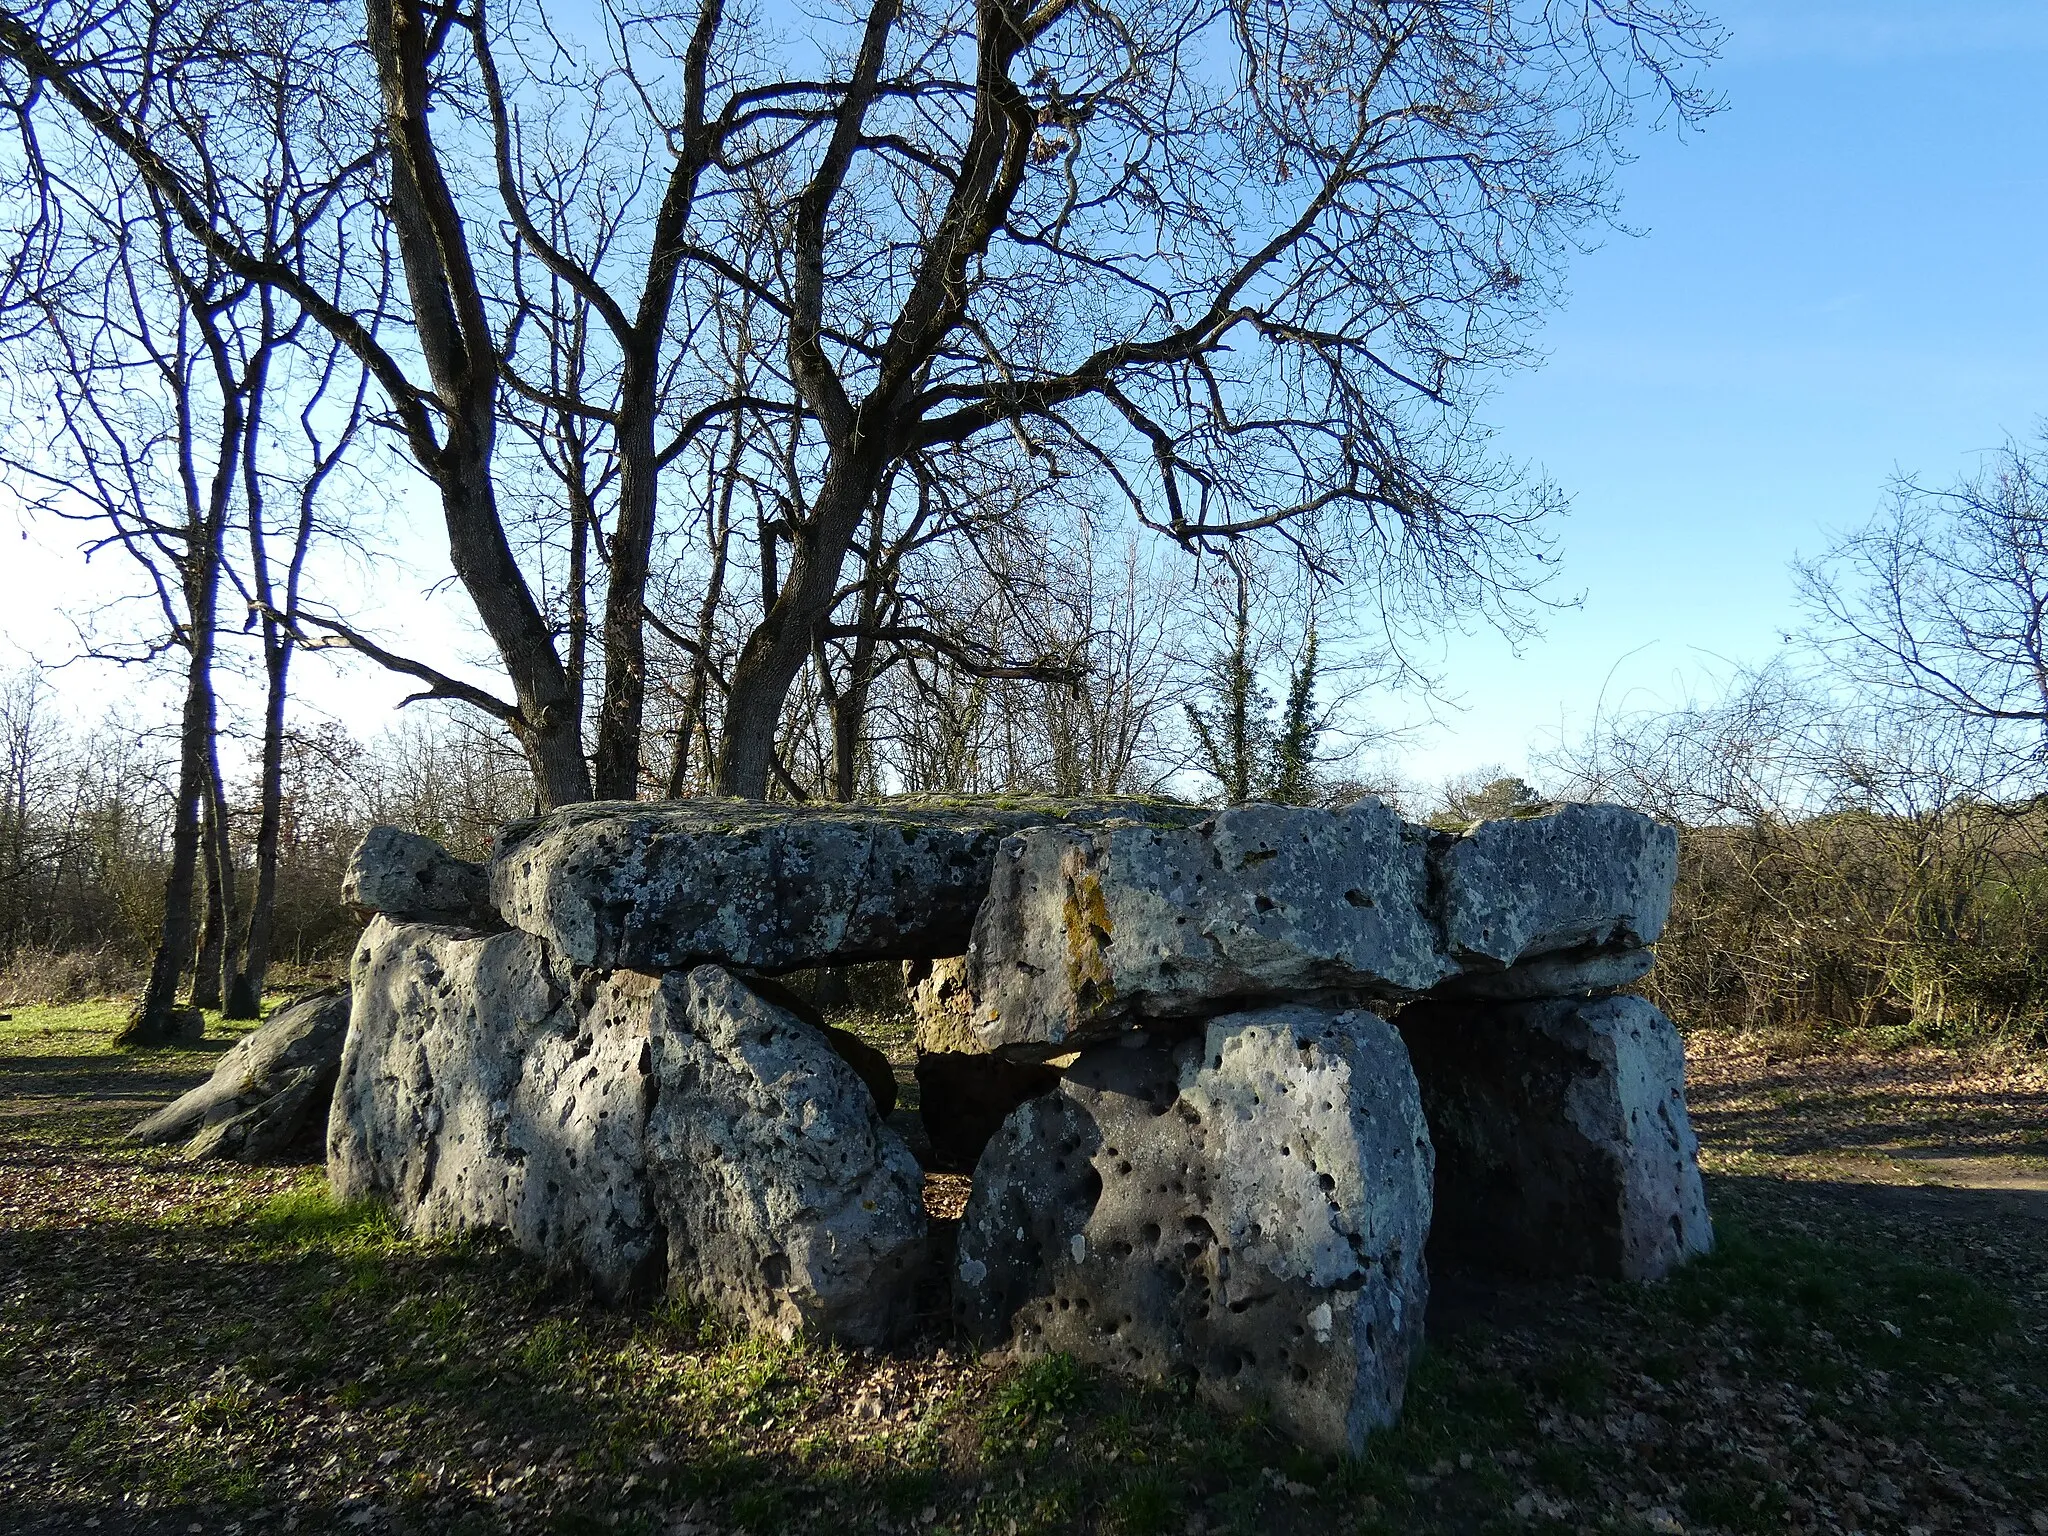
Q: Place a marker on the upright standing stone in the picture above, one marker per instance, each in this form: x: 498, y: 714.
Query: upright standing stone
x: 1562, y: 1140
x: 788, y: 1202
x: 636, y: 1129
x: 1089, y: 932
x: 1248, y: 1207
x: 476, y: 1095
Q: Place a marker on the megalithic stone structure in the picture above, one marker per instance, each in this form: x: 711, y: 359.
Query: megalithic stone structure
x: 1158, y: 1032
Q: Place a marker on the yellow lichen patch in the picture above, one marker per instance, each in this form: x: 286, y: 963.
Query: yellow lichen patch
x: 1087, y: 926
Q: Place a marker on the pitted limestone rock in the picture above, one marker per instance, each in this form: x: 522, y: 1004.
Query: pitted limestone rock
x: 476, y: 1094
x: 631, y: 1127
x: 939, y: 1001
x: 1088, y: 932
x: 270, y: 1093
x: 414, y: 879
x: 1580, y: 878
x: 1250, y: 1206
x: 1563, y: 1144
x: 768, y: 888
x: 788, y: 1202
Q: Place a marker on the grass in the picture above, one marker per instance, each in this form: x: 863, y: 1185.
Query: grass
x: 230, y: 1347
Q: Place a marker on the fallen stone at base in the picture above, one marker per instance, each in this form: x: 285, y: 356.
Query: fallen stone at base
x: 1089, y: 932
x: 1248, y: 1207
x: 788, y: 1202
x: 1562, y: 1140
x: 1576, y: 877
x: 963, y: 1099
x: 411, y: 878
x: 636, y: 1129
x: 765, y: 887
x: 270, y: 1093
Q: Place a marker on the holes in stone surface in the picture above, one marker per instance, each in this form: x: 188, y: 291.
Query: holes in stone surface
x: 1298, y: 1372
x: 1326, y: 1181
x: 1199, y: 1231
x: 775, y: 1271
x: 1263, y: 903
x: 1358, y: 898
x: 1122, y: 1169
x: 1150, y: 1232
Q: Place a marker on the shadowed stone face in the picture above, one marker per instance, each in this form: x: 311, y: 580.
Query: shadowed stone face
x: 1563, y: 1143
x: 1247, y: 1208
x: 772, y: 888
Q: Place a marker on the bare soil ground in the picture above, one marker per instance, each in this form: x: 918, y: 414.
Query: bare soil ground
x: 204, y: 1348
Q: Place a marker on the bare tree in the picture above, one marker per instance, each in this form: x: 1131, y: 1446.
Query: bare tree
x: 1246, y: 268
x: 1943, y: 600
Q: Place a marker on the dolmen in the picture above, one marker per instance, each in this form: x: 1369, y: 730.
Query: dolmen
x: 1229, y: 1082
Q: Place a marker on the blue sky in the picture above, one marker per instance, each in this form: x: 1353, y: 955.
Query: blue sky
x: 1837, y: 279
x: 1840, y: 277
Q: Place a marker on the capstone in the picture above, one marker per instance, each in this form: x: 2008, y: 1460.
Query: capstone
x: 764, y: 887
x: 1088, y: 932
x: 414, y: 879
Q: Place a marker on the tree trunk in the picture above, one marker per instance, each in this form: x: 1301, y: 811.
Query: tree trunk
x: 245, y: 995
x: 616, y: 763
x: 213, y: 925
x: 777, y: 649
x: 154, y: 1021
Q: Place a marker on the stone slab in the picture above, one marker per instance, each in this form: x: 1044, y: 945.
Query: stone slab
x: 414, y: 879
x: 270, y: 1092
x: 763, y: 886
x: 1087, y: 932
x: 1247, y: 1209
x: 1577, y: 877
x: 1563, y: 1143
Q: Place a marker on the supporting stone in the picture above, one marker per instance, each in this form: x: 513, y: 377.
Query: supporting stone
x: 788, y: 1202
x: 765, y: 887
x: 633, y: 1128
x: 1562, y: 1140
x: 270, y: 1093
x: 937, y: 990
x: 1247, y: 1208
x: 476, y: 1095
